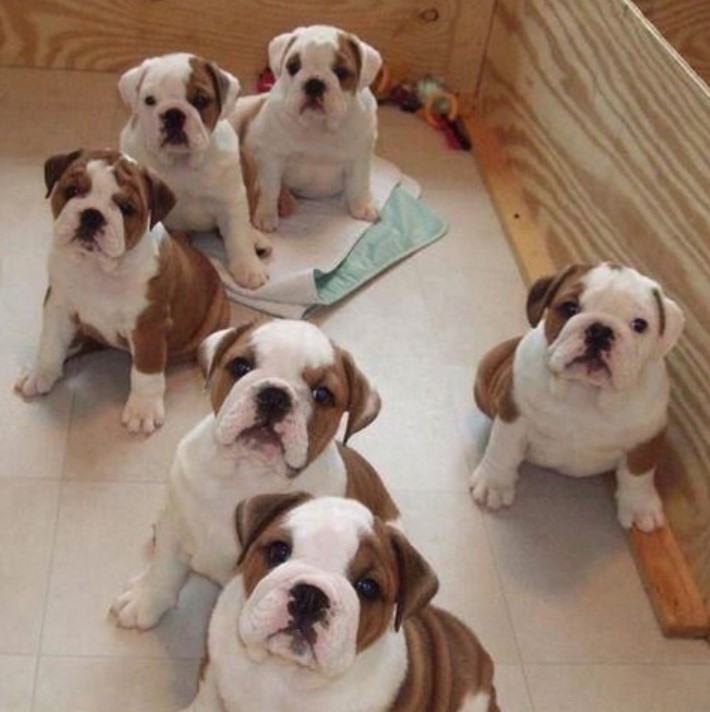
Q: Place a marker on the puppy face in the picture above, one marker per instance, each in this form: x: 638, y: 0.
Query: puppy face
x: 279, y: 390
x: 319, y: 70
x: 324, y: 580
x: 103, y: 202
x: 178, y: 99
x: 604, y: 323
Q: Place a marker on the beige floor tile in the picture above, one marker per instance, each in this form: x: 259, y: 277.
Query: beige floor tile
x: 102, y: 542
x: 17, y: 674
x: 572, y: 588
x: 448, y: 531
x: 619, y: 688
x: 512, y: 689
x: 27, y: 521
x: 114, y: 685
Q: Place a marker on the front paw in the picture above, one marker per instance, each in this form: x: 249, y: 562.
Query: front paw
x: 265, y: 220
x: 143, y: 414
x: 142, y: 604
x: 249, y: 272
x: 36, y: 383
x: 492, y: 491
x: 364, y: 210
x: 643, y: 510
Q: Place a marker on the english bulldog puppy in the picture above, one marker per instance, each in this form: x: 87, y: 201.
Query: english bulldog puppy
x: 278, y: 391
x: 586, y: 390
x: 314, y: 133
x: 117, y: 277
x: 178, y: 128
x: 329, y: 611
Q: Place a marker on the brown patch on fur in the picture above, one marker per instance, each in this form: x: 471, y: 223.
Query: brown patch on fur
x: 493, y: 390
x: 204, y: 664
x: 446, y: 663
x: 365, y: 485
x: 661, y: 311
x: 348, y: 59
x: 204, y: 85
x: 646, y: 456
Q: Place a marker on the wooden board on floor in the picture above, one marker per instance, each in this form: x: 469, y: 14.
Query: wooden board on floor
x: 674, y: 595
x: 444, y: 37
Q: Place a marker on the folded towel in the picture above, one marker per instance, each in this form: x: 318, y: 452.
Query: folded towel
x: 321, y: 253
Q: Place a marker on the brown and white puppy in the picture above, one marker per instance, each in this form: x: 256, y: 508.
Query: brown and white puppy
x: 179, y: 104
x: 586, y: 390
x: 279, y: 391
x: 314, y: 133
x: 329, y: 611
x: 117, y: 277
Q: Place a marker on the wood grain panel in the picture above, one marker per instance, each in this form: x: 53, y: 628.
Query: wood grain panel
x: 686, y: 25
x: 608, y: 132
x: 445, y: 37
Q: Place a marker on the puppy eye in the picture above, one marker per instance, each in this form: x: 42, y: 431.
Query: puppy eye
x: 294, y: 66
x: 639, y: 325
x: 323, y: 396
x: 126, y: 208
x: 342, y: 73
x: 70, y: 192
x: 239, y: 367
x: 149, y: 100
x: 569, y: 308
x: 277, y: 553
x: 368, y: 589
x: 201, y: 102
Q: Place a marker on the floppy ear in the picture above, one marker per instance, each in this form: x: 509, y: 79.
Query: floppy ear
x: 370, y: 62
x: 671, y: 320
x: 55, y: 166
x: 161, y: 200
x: 214, y: 346
x: 418, y: 583
x: 129, y: 84
x: 277, y: 50
x: 253, y: 515
x: 543, y: 292
x: 227, y: 88
x: 364, y: 401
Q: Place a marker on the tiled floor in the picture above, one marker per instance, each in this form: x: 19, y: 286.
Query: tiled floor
x: 549, y: 586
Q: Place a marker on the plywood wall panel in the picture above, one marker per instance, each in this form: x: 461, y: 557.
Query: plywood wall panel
x: 444, y: 37
x: 608, y: 133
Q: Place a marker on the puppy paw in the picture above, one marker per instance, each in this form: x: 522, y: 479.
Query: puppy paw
x: 143, y: 414
x: 364, y: 210
x: 35, y: 383
x: 249, y: 272
x: 265, y: 220
x: 262, y: 244
x: 142, y: 604
x: 491, y: 492
x: 645, y: 512
x: 287, y: 203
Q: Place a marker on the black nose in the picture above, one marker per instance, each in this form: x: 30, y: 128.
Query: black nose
x: 90, y: 221
x: 314, y: 88
x: 273, y: 403
x: 307, y: 603
x: 598, y: 335
x: 173, y: 119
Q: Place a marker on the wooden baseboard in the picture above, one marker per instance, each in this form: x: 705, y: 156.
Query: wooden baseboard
x: 666, y: 576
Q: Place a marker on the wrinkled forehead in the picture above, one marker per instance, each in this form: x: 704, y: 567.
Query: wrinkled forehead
x: 328, y: 532
x: 291, y: 347
x: 171, y: 73
x: 608, y: 286
x: 316, y: 43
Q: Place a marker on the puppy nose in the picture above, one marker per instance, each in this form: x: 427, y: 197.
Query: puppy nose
x: 314, y: 88
x: 273, y: 402
x: 174, y: 119
x: 307, y: 602
x: 91, y: 220
x: 598, y: 335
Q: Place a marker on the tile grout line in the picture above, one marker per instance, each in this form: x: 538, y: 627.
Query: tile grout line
x: 50, y: 568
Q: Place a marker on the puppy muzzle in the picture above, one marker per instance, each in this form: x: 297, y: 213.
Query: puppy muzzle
x: 177, y: 127
x: 91, y: 226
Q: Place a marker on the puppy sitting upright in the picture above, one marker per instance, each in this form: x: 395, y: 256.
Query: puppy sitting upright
x: 117, y: 277
x: 279, y: 391
x: 313, y: 134
x: 329, y: 612
x: 586, y: 390
x: 178, y: 128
